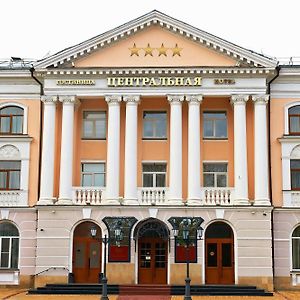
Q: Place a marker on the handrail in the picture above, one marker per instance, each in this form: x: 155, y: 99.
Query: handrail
x: 54, y: 268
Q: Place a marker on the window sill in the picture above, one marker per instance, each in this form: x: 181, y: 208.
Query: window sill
x: 154, y: 139
x: 215, y: 139
x: 93, y: 139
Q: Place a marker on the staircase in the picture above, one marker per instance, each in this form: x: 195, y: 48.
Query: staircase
x: 153, y: 292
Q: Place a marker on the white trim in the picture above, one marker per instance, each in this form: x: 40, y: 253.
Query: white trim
x: 291, y: 247
x: 25, y: 116
x: 286, y: 115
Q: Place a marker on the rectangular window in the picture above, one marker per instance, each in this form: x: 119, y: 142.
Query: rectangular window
x: 295, y: 174
x: 10, y: 172
x: 215, y: 174
x: 214, y: 125
x: 92, y: 174
x: 155, y: 125
x: 94, y: 125
x: 9, y: 247
x: 154, y: 174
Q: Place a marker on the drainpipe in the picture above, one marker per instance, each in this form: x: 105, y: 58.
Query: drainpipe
x: 41, y: 127
x: 270, y: 173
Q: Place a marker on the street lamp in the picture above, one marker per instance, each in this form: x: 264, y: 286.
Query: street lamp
x: 118, y: 238
x: 184, y: 228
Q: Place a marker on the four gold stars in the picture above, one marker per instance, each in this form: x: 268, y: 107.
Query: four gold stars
x: 162, y: 50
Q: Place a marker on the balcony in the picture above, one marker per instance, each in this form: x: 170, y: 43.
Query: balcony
x: 217, y: 196
x: 291, y: 198
x: 13, y: 198
x: 88, y: 195
x: 152, y: 195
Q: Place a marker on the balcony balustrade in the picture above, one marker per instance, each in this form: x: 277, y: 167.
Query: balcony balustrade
x: 291, y: 198
x: 88, y: 195
x: 152, y: 195
x: 217, y: 196
x: 14, y: 198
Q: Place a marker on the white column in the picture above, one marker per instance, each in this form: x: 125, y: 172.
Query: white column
x: 113, y: 149
x: 130, y: 173
x: 261, y: 150
x: 240, y: 149
x: 47, y: 164
x: 66, y: 154
x: 194, y: 148
x: 175, y: 170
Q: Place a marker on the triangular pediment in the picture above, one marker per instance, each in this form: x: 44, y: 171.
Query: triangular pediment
x: 155, y: 40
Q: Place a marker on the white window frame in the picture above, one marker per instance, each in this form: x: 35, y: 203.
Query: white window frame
x: 286, y: 115
x: 154, y: 173
x: 214, y: 137
x: 25, y: 116
x: 93, y: 162
x: 215, y: 173
x: 155, y: 111
x: 82, y: 131
x: 291, y: 249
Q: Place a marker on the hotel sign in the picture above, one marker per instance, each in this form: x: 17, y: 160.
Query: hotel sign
x: 76, y: 82
x: 153, y: 81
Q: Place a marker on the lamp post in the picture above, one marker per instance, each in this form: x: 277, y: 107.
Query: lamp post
x: 118, y: 236
x: 184, y: 228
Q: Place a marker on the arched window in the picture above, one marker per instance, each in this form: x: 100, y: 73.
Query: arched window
x: 9, y: 246
x: 294, y: 120
x: 296, y: 248
x: 11, y: 120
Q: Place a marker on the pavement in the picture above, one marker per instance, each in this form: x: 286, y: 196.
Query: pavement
x: 21, y: 294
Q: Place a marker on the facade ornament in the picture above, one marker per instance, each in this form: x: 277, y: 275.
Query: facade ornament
x: 113, y: 99
x: 134, y: 99
x: 194, y: 99
x: 295, y: 154
x: 175, y: 99
x: 239, y: 99
x: 260, y: 99
x: 8, y: 152
x: 49, y: 99
x: 68, y: 99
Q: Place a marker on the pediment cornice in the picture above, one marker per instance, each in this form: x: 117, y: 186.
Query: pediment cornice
x: 244, y: 57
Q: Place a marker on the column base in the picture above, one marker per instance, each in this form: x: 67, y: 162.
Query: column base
x: 132, y: 201
x: 64, y: 201
x: 174, y: 202
x: 46, y: 201
x: 241, y: 201
x: 262, y: 202
x: 194, y: 201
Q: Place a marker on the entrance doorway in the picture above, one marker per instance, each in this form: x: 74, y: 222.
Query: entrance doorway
x: 86, y: 253
x: 219, y: 254
x: 153, y: 253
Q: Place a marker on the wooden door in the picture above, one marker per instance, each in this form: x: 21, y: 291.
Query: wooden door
x: 153, y: 260
x: 219, y: 261
x: 86, y: 254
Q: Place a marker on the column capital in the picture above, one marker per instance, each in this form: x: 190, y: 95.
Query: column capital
x: 239, y: 99
x: 132, y: 99
x: 194, y: 99
x: 47, y: 99
x: 175, y: 99
x: 113, y: 99
x: 68, y: 99
x: 260, y: 99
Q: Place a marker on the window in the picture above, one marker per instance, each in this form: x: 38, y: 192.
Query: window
x: 215, y: 174
x: 9, y: 245
x: 295, y: 174
x: 10, y: 175
x: 93, y: 174
x: 296, y: 248
x: 11, y: 120
x: 155, y: 125
x: 154, y: 175
x: 294, y: 120
x: 214, y: 125
x: 94, y: 125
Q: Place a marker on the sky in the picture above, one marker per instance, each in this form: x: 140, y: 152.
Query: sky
x: 34, y: 29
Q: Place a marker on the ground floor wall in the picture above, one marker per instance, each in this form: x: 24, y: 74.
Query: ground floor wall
x: 251, y: 228
x: 285, y: 221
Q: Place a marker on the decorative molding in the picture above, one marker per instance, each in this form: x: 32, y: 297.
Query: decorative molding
x: 295, y: 154
x: 4, y: 213
x: 113, y: 99
x: 68, y: 99
x: 134, y: 99
x: 153, y: 212
x: 194, y: 99
x: 260, y: 99
x: 239, y: 99
x: 175, y: 99
x: 9, y: 152
x: 86, y: 212
x: 220, y: 213
x: 47, y: 99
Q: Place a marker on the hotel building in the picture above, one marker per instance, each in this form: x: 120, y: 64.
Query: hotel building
x: 150, y: 122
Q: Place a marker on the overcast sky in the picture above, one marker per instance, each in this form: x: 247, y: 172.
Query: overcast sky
x: 37, y: 28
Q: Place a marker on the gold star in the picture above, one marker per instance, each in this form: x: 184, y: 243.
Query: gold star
x: 176, y: 50
x: 134, y: 50
x: 148, y: 50
x: 162, y: 50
